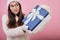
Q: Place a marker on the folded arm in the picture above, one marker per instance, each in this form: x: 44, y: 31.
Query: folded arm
x: 11, y: 32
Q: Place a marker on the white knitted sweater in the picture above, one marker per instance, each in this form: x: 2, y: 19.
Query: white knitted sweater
x: 15, y: 33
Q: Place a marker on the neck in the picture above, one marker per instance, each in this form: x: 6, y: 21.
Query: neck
x: 16, y: 17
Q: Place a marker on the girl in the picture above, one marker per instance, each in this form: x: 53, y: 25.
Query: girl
x: 12, y: 23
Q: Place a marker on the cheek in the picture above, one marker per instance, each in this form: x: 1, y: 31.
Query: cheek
x: 12, y: 9
x: 18, y: 8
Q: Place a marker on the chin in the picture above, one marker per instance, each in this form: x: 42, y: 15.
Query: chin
x: 15, y: 13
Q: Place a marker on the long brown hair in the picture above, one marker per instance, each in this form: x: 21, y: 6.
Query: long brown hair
x: 12, y: 22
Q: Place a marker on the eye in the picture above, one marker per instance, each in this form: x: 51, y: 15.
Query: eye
x: 11, y: 5
x: 17, y: 5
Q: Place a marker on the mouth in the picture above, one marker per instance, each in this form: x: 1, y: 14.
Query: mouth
x: 15, y: 10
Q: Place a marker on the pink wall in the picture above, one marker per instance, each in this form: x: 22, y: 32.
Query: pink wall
x: 52, y: 30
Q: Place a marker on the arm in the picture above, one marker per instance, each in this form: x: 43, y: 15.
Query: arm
x: 11, y: 32
x: 25, y: 28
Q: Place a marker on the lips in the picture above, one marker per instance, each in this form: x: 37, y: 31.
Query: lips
x: 15, y: 10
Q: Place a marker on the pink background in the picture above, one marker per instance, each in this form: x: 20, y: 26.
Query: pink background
x: 52, y: 29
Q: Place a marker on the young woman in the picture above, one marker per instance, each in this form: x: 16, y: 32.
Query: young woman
x: 12, y: 23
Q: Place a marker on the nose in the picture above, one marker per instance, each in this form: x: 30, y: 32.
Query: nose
x: 14, y: 7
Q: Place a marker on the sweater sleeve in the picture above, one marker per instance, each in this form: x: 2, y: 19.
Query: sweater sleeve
x: 25, y: 28
x: 11, y: 32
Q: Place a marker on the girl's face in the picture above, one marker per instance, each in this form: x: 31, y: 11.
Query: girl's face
x: 14, y: 7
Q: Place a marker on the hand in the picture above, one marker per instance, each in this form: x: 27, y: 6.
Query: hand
x: 24, y: 28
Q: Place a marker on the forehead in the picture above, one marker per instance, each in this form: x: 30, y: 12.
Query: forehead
x: 13, y: 3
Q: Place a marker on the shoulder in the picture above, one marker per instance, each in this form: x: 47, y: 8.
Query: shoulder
x: 4, y: 18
